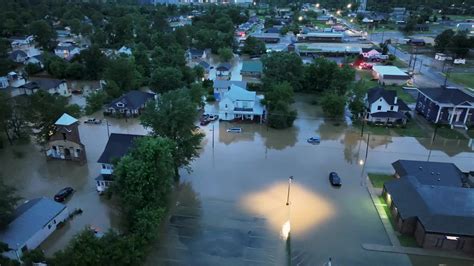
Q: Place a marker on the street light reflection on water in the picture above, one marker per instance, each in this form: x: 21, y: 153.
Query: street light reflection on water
x: 308, y: 209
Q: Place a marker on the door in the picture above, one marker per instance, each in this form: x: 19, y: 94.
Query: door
x: 67, y: 153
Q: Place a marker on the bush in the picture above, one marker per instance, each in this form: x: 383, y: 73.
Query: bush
x: 95, y: 101
x: 210, y: 98
x: 32, y: 69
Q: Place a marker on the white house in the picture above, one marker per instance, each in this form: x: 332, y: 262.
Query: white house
x: 33, y: 222
x: 67, y: 50
x: 221, y: 87
x: 239, y: 103
x: 124, y: 50
x: 52, y: 86
x: 383, y: 106
x: 22, y: 41
x: 390, y: 75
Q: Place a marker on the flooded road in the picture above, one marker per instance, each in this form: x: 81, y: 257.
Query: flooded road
x: 232, y: 208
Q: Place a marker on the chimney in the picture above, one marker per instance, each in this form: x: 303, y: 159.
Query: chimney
x: 395, y: 100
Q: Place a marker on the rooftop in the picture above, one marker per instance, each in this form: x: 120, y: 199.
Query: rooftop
x: 252, y: 66
x: 389, y: 70
x: 65, y: 120
x: 29, y: 218
x: 117, y: 146
x: 453, y: 96
x: 133, y: 99
x: 430, y: 173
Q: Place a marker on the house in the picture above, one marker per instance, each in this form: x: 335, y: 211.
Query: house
x: 117, y: 146
x: 221, y: 87
x: 223, y: 70
x: 252, y: 68
x: 452, y: 106
x: 267, y: 37
x: 416, y: 42
x: 24, y: 41
x: 67, y: 50
x: 18, y: 56
x: 383, y: 106
x: 12, y: 80
x: 65, y: 142
x: 321, y: 37
x: 373, y: 54
x: 205, y: 65
x: 52, y: 86
x: 36, y: 60
x: 239, y: 103
x: 193, y: 54
x: 466, y: 26
x: 33, y: 222
x: 124, y: 50
x: 390, y: 75
x: 433, y: 202
x: 422, y: 27
x: 129, y: 104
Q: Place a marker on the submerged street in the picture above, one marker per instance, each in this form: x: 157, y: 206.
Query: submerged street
x: 231, y: 208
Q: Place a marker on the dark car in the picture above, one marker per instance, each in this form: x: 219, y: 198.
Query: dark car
x: 334, y: 179
x: 205, y: 122
x: 63, y: 194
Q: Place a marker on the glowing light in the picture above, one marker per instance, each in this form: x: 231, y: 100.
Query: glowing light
x: 317, y: 5
x: 361, y: 162
x: 338, y: 12
x: 352, y: 20
x: 452, y: 238
x: 349, y: 5
x: 285, y: 230
x: 300, y: 18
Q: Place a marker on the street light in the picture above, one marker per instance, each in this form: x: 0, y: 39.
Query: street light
x: 289, y: 186
x: 300, y: 18
x: 349, y: 5
x: 317, y: 5
x: 338, y: 12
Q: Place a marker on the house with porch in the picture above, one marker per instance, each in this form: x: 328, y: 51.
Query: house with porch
x: 221, y: 87
x: 241, y: 104
x: 129, y: 104
x: 384, y: 107
x: 65, y: 142
x: 52, y: 86
x: 451, y: 106
x: 117, y: 146
x: 195, y: 54
x: 33, y: 222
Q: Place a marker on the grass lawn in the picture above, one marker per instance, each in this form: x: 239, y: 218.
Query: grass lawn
x: 406, y: 241
x: 449, y: 133
x: 378, y: 180
x: 470, y: 132
x: 412, y: 129
x: 465, y: 79
x: 402, y: 94
x: 399, y: 63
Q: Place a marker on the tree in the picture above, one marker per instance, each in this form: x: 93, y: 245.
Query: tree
x: 31, y: 68
x: 333, y: 104
x: 173, y: 116
x: 343, y: 77
x: 225, y: 54
x: 75, y: 71
x: 95, y: 101
x: 123, y: 72
x: 144, y: 177
x: 5, y: 63
x: 443, y: 39
x: 56, y: 66
x: 165, y: 79
x: 199, y: 72
x: 319, y: 75
x: 94, y: 62
x: 5, y: 115
x: 197, y: 92
x: 278, y: 99
x: 281, y: 67
x: 356, y: 104
x: 43, y: 33
x: 45, y: 109
x: 8, y: 200
x: 253, y: 46
x: 460, y: 44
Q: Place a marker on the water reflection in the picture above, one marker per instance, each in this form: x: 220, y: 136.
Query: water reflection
x: 450, y: 147
x: 331, y: 129
x: 279, y: 139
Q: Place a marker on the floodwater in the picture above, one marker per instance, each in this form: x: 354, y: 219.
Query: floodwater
x: 231, y: 209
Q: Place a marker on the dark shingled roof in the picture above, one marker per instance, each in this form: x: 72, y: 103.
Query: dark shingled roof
x: 365, y: 50
x: 388, y: 95
x: 440, y: 209
x: 42, y: 84
x: 402, y: 106
x: 195, y: 52
x: 389, y: 114
x: 447, y: 96
x: 117, y: 146
x: 132, y: 100
x: 430, y: 173
x: 13, y: 55
x: 224, y: 67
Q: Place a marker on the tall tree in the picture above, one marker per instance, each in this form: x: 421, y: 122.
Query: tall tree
x: 43, y: 33
x: 173, y: 116
x: 225, y: 54
x: 253, y: 46
x: 278, y: 99
x: 124, y: 73
x: 281, y: 67
x: 443, y: 39
x: 333, y: 104
x: 8, y: 200
x: 166, y: 79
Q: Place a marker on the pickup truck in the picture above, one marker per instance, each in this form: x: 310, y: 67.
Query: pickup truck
x: 93, y: 121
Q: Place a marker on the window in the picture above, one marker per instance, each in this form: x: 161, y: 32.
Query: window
x: 120, y: 105
x: 54, y: 221
x: 49, y: 226
x: 391, y: 108
x: 64, y: 136
x: 226, y: 106
x: 379, y: 107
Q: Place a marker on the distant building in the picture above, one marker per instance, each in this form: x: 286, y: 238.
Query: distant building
x: 451, y: 106
x: 390, y: 75
x: 130, y: 104
x: 124, y: 50
x: 434, y: 202
x: 33, y: 222
x: 67, y: 50
x: 18, y: 56
x: 223, y: 70
x: 267, y: 37
x: 384, y: 107
x: 241, y: 104
x: 117, y: 146
x: 252, y: 68
x: 321, y: 37
x: 195, y: 54
x: 466, y: 26
x: 65, y: 142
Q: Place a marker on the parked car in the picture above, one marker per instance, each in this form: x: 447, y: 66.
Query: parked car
x: 93, y: 121
x: 314, y: 140
x: 213, y: 117
x: 63, y: 194
x: 234, y: 130
x: 365, y: 66
x: 334, y: 179
x: 205, y: 122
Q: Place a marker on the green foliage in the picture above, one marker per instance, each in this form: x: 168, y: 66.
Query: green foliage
x: 94, y: 62
x: 323, y: 75
x: 356, y: 104
x: 33, y: 68
x: 443, y: 39
x: 56, y: 66
x: 95, y: 101
x: 173, y: 117
x: 333, y: 104
x: 198, y: 72
x: 460, y: 44
x: 253, y: 46
x: 74, y: 71
x: 280, y: 67
x: 8, y: 200
x: 5, y: 64
x: 197, y: 92
x: 278, y: 99
x: 166, y: 79
x: 33, y: 256
x: 225, y: 54
x: 43, y: 33
x: 45, y: 109
x: 210, y: 98
x: 124, y: 73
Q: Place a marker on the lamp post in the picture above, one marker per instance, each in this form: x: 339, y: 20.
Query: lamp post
x: 288, y: 194
x: 446, y: 76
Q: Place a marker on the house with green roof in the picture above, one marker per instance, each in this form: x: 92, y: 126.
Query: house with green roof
x: 252, y: 68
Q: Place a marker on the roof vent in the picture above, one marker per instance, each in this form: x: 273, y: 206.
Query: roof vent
x: 432, y: 173
x: 439, y: 179
x: 421, y: 168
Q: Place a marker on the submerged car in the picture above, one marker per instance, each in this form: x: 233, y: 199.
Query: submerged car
x: 93, y: 121
x: 314, y: 140
x: 63, y: 194
x: 234, y: 130
x: 334, y: 179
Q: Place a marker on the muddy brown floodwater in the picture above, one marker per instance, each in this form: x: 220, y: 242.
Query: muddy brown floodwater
x: 231, y: 209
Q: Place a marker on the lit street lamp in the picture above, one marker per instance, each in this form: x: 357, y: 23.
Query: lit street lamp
x: 289, y: 186
x: 317, y: 5
x: 338, y: 12
x: 349, y: 5
x: 300, y: 18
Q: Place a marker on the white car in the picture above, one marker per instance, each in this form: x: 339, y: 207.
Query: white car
x: 234, y: 130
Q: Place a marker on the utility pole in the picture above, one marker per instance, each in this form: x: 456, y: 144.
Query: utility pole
x: 367, y: 148
x: 108, y: 131
x: 446, y: 76
x: 212, y: 135
x: 421, y: 64
x: 288, y: 194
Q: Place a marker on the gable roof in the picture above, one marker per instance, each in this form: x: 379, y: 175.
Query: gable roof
x: 43, y: 84
x: 29, y: 218
x: 196, y: 52
x: 237, y: 93
x: 132, y: 100
x: 14, y: 55
x: 252, y: 66
x: 117, y: 146
x: 389, y: 70
x: 65, y: 120
x: 453, y: 96
x: 224, y: 67
x: 204, y: 64
x: 375, y: 93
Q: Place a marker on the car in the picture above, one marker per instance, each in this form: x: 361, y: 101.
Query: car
x: 63, y: 194
x: 93, y: 121
x: 213, y: 117
x: 205, y: 122
x: 234, y: 130
x: 334, y: 179
x: 314, y: 140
